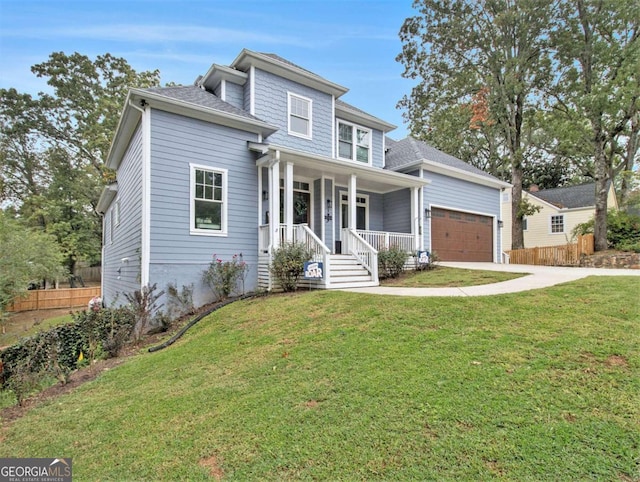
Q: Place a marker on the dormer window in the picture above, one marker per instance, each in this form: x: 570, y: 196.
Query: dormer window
x: 300, y: 116
x: 354, y: 142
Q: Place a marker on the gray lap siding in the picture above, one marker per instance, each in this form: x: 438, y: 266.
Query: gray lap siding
x: 397, y: 211
x: 121, y: 253
x: 271, y: 105
x: 176, y: 255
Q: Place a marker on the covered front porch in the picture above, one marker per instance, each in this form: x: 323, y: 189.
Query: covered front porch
x: 344, y: 212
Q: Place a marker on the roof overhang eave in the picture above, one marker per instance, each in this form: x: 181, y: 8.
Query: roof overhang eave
x: 131, y: 116
x: 455, y: 173
x: 364, y: 119
x: 106, y: 197
x: 336, y: 166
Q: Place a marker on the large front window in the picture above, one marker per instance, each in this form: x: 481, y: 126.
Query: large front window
x: 208, y: 200
x: 299, y: 116
x: 354, y: 142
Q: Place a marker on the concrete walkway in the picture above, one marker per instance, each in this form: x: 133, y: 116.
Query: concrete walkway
x: 537, y: 277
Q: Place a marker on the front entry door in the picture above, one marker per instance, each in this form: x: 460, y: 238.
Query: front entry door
x: 361, y: 212
x: 301, y: 202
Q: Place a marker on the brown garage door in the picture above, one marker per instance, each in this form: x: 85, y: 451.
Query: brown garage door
x: 457, y: 236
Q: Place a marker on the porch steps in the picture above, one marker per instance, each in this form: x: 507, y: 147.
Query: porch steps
x: 347, y: 272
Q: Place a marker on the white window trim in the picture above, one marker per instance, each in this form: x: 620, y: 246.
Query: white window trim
x: 291, y: 95
x: 192, y: 204
x: 564, y: 224
x: 354, y: 151
x: 116, y: 213
x: 114, y: 219
x: 525, y: 224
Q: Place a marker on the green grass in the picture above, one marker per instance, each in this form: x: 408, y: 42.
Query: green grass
x: 15, y: 330
x: 441, y: 277
x: 541, y: 385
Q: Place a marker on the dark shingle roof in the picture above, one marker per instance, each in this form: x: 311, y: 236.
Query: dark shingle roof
x: 409, y: 151
x: 291, y: 64
x: 200, y: 97
x: 569, y: 197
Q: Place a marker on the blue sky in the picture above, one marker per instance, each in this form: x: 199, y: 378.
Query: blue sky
x: 351, y: 42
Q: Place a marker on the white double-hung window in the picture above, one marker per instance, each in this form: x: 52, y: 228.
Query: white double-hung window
x: 557, y: 224
x: 300, y: 109
x: 208, y: 201
x: 354, y: 142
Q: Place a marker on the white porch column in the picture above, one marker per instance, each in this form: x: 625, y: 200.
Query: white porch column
x: 288, y: 200
x: 274, y: 202
x: 352, y: 202
x: 415, y: 215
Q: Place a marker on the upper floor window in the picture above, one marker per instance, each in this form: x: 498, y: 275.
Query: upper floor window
x: 354, y: 142
x: 300, y: 116
x: 208, y: 200
x: 557, y: 224
x: 115, y: 219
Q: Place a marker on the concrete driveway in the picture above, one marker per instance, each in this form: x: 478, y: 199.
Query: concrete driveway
x: 537, y: 277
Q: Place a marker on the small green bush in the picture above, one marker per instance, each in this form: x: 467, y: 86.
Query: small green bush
x: 223, y: 276
x: 623, y: 230
x: 391, y: 262
x: 630, y: 247
x: 287, y: 264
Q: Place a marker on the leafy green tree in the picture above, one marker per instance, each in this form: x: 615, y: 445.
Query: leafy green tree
x: 491, y: 55
x: 26, y: 256
x: 52, y: 148
x: 597, y: 51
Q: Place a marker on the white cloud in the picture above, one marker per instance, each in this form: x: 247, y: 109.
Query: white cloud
x: 156, y: 33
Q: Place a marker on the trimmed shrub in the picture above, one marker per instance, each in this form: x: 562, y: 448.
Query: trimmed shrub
x: 287, y: 264
x: 56, y: 351
x: 223, y: 276
x: 623, y: 230
x: 391, y: 262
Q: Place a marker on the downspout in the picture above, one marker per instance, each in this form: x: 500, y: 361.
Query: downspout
x: 146, y: 192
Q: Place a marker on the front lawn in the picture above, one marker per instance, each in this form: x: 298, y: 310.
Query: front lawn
x: 442, y: 277
x: 540, y: 385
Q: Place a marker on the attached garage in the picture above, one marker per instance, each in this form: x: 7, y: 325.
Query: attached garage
x: 459, y: 236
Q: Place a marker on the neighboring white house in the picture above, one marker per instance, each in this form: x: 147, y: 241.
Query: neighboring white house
x: 561, y: 210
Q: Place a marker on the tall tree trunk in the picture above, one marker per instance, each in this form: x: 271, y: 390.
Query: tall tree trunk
x: 517, y: 235
x: 602, y: 184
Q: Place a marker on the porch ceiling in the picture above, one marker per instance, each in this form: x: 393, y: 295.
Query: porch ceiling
x: 313, y: 166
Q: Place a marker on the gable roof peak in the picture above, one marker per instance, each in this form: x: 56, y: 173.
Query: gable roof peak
x: 279, y: 66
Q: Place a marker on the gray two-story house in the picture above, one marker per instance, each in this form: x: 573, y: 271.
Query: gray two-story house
x: 262, y: 152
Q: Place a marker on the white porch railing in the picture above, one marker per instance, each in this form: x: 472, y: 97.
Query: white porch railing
x: 367, y: 255
x: 384, y: 240
x: 300, y: 233
x: 264, y: 241
x: 303, y: 234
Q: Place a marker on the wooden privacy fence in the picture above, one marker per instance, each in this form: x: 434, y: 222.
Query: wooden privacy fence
x: 50, y: 299
x: 93, y: 273
x: 564, y: 255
